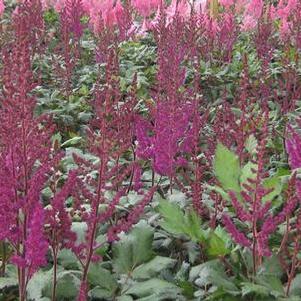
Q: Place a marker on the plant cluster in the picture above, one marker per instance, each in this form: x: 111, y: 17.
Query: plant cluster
x: 150, y: 150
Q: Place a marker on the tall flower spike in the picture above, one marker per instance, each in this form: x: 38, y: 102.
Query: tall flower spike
x: 110, y: 135
x: 26, y: 156
x: 2, y: 7
x: 253, y: 209
x: 293, y: 147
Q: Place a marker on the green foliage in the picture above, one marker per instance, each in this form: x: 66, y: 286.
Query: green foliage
x: 136, y: 272
x: 176, y: 222
x: 174, y: 254
x: 133, y: 250
x: 155, y: 289
x: 227, y: 168
x: 218, y: 243
x: 153, y: 267
x: 68, y: 283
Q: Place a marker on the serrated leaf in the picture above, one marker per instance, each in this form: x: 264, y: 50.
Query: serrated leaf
x: 212, y: 273
x: 174, y: 219
x: 102, y: 278
x: 37, y: 284
x: 295, y: 289
x: 80, y: 229
x: 153, y: 267
x: 71, y: 142
x: 123, y: 257
x: 219, y: 190
x: 227, y: 168
x: 217, y: 246
x: 178, y: 223
x: 6, y: 282
x: 271, y: 267
x: 68, y: 283
x: 124, y: 298
x: 67, y: 259
x: 100, y: 293
x: 210, y: 265
x: 274, y: 183
x: 251, y: 144
x: 193, y: 227
x: 142, y: 247
x: 150, y: 287
x: 254, y: 289
x: 133, y: 249
x: 247, y: 173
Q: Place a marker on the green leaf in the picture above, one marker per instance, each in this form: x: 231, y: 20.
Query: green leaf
x: 67, y: 259
x: 124, y: 298
x: 251, y: 144
x: 193, y: 227
x: 203, y: 270
x: 187, y: 289
x: 133, y: 249
x: 175, y: 222
x: 68, y: 283
x: 219, y: 190
x: 142, y: 244
x: 168, y: 294
x: 269, y: 275
x: 295, y: 288
x: 80, y: 229
x: 8, y: 282
x: 247, y: 173
x: 212, y: 273
x: 123, y: 257
x: 254, y: 289
x: 102, y: 278
x: 153, y: 267
x: 174, y: 219
x: 150, y: 287
x: 271, y: 267
x: 274, y: 183
x: 100, y: 293
x: 38, y: 283
x: 272, y: 283
x: 226, y: 168
x: 71, y: 142
x: 217, y: 244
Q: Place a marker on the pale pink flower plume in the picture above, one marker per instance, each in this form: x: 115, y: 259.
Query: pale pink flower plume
x: 252, y: 14
x: 226, y: 3
x: 2, y: 7
x: 146, y: 7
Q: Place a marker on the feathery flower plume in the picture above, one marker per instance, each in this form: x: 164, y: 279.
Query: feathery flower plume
x: 25, y: 140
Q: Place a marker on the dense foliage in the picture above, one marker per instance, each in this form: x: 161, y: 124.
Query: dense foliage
x: 150, y: 150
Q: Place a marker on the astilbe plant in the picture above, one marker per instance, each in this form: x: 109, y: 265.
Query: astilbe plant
x: 58, y: 221
x: 231, y: 128
x: 290, y: 242
x: 253, y: 206
x: 192, y: 172
x: 68, y: 48
x: 110, y: 136
x: 293, y: 143
x: 163, y: 139
x: 200, y: 166
x: 226, y: 35
x: 26, y: 154
x: 266, y: 43
x: 290, y: 245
